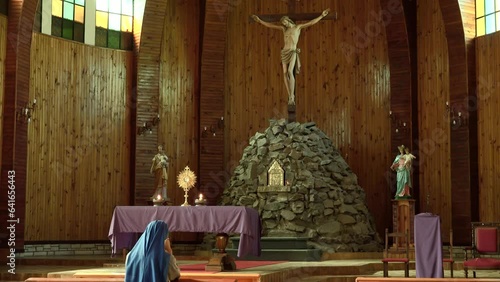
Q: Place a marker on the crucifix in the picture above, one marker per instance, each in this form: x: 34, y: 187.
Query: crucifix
x: 290, y: 53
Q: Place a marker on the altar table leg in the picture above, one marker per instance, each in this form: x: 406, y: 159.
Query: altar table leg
x: 221, y: 261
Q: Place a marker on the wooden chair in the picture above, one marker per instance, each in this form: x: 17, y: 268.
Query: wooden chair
x: 484, y: 254
x: 398, y: 252
x: 450, y: 260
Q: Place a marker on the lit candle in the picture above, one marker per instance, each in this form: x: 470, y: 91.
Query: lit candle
x: 201, y: 197
x: 158, y: 197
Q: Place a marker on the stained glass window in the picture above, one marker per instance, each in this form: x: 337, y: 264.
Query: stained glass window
x: 114, y: 20
x: 68, y: 19
x: 487, y: 16
x: 3, y: 7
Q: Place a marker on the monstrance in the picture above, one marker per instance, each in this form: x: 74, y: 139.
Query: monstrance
x: 186, y: 180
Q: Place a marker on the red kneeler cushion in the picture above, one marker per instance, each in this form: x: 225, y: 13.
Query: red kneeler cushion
x: 486, y: 240
x: 486, y: 263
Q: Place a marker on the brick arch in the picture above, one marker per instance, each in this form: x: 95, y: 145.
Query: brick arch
x: 402, y: 78
x: 146, y: 94
x: 457, y: 16
x: 21, y: 16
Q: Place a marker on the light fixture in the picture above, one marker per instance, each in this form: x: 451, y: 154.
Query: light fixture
x: 147, y: 127
x: 212, y: 129
x: 457, y: 118
x: 24, y: 114
x: 399, y: 125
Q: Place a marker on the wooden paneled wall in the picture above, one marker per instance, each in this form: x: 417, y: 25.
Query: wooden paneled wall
x: 344, y: 86
x: 3, y: 47
x: 179, y: 91
x: 488, y: 107
x: 434, y: 122
x: 79, y: 139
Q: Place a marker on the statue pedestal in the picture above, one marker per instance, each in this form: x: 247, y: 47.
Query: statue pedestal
x: 403, y: 214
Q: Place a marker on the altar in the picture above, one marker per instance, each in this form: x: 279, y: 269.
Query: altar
x: 127, y: 221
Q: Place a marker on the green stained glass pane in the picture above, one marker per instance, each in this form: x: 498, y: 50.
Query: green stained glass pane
x: 56, y: 26
x: 101, y: 37
x: 79, y: 32
x: 114, y: 39
x: 69, y: 1
x: 69, y: 12
x: 67, y: 29
x: 490, y: 24
x: 37, y: 25
x: 497, y: 15
x: 80, y: 2
x: 4, y: 7
x: 128, y: 7
x: 489, y: 7
x: 102, y: 5
x: 115, y: 22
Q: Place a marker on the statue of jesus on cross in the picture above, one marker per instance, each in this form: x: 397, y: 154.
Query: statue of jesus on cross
x: 290, y: 53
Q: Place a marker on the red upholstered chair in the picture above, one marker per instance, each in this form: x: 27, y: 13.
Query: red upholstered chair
x: 398, y: 252
x: 485, y: 251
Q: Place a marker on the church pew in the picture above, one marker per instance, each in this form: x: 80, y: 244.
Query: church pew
x: 398, y: 279
x: 90, y: 279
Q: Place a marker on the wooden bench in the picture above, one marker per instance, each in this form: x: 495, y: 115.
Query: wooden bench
x: 394, y: 279
x: 90, y: 279
x: 64, y: 279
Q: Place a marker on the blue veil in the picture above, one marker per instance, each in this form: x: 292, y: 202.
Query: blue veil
x: 148, y: 261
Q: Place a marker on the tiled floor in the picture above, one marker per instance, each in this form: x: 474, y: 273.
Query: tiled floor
x: 295, y: 271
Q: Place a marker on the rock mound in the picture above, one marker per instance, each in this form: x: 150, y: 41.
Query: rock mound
x: 316, y: 196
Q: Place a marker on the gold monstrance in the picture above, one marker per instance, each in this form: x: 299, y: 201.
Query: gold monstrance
x: 186, y: 180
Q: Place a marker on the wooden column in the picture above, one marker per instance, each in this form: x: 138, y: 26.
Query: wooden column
x: 403, y: 215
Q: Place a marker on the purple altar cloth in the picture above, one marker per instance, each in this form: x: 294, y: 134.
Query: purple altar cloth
x: 428, y: 246
x: 129, y: 220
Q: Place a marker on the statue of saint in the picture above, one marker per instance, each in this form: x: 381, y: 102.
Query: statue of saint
x: 290, y: 53
x: 402, y: 168
x: 159, y: 168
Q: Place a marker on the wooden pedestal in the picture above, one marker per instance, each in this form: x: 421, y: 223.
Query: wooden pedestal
x: 403, y: 214
x: 221, y: 261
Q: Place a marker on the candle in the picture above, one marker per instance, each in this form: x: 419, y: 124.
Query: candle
x: 201, y: 197
x: 158, y: 197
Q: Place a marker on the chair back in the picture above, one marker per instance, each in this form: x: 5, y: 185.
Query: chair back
x: 485, y: 238
x: 397, y: 244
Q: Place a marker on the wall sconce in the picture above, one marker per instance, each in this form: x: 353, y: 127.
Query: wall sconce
x: 212, y: 129
x: 400, y: 126
x: 148, y: 126
x: 456, y: 118
x: 24, y: 114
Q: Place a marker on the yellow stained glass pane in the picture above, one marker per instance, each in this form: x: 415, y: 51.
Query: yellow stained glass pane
x: 480, y: 27
x: 79, y: 14
x: 126, y: 23
x: 57, y: 8
x: 480, y: 8
x: 101, y: 19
